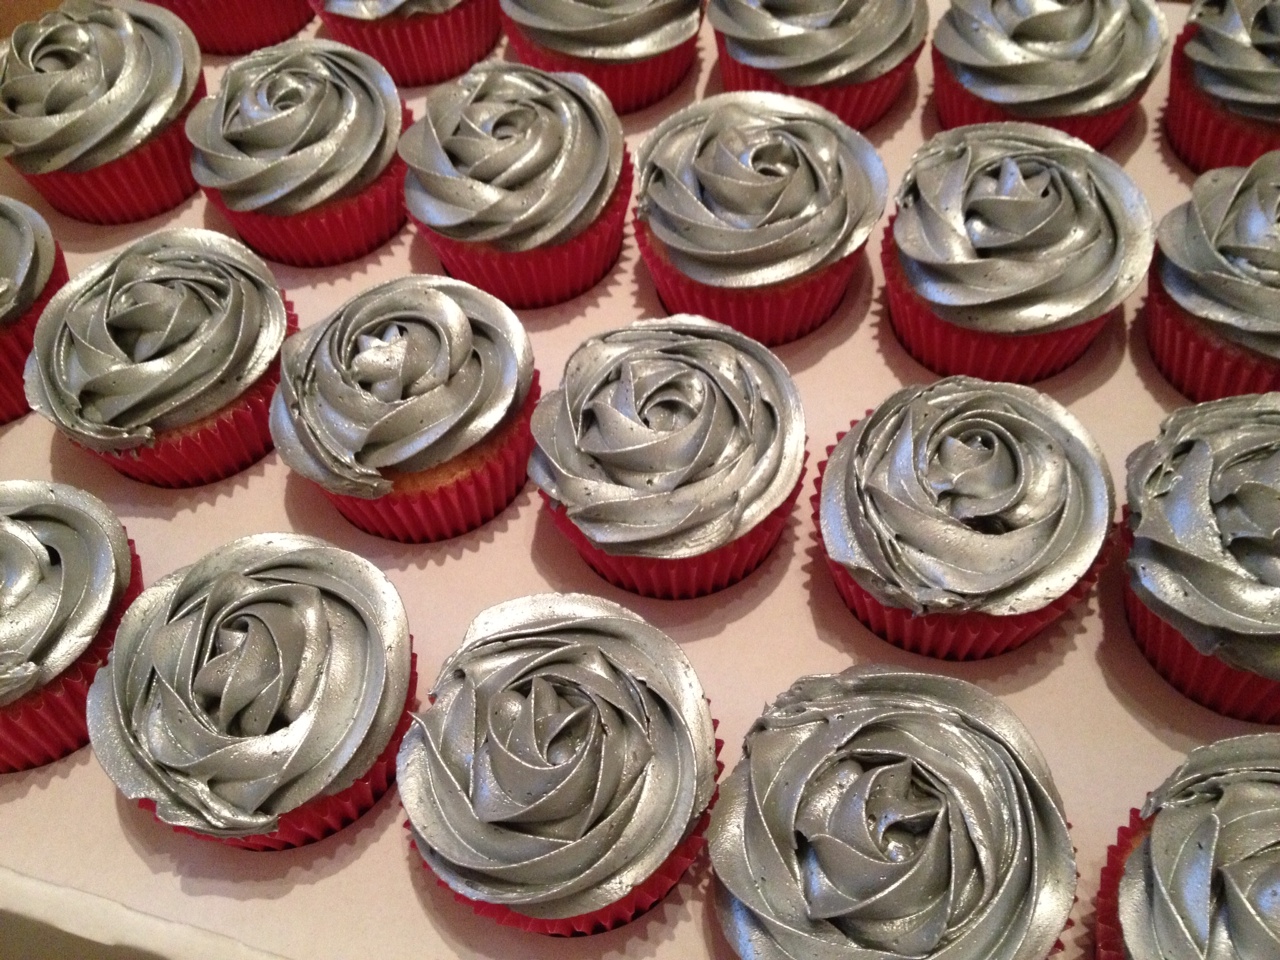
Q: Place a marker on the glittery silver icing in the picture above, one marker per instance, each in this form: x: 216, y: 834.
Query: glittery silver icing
x: 159, y: 335
x: 1204, y: 514
x: 401, y: 378
x: 295, y: 125
x: 512, y: 156
x: 965, y: 495
x: 1017, y: 228
x: 616, y: 30
x: 669, y: 438
x: 568, y: 750
x: 890, y: 815
x: 91, y: 81
x: 1055, y: 58
x: 378, y: 9
x: 271, y: 672
x: 748, y: 189
x: 27, y: 254
x: 1205, y: 883
x: 64, y: 561
x: 1235, y: 55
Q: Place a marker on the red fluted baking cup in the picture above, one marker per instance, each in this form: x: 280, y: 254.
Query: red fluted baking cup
x: 49, y: 723
x: 238, y: 26
x: 15, y: 343
x: 1108, y: 935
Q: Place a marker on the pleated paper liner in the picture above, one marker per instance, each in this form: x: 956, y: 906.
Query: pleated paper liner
x: 238, y: 26
x: 473, y: 489
x: 1108, y: 936
x: 15, y: 343
x: 49, y: 723
x: 546, y: 275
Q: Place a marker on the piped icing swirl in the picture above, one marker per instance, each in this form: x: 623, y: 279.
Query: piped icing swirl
x: 1235, y: 54
x: 273, y: 671
x: 616, y: 31
x: 91, y: 81
x: 512, y: 156
x: 401, y: 378
x: 165, y: 332
x: 27, y: 254
x: 965, y: 495
x: 1204, y: 515
x: 1017, y: 228
x: 669, y: 438
x: 890, y: 814
x: 295, y: 125
x: 567, y: 751
x: 380, y: 9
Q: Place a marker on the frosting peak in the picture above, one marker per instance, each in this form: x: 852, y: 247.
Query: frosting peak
x: 621, y: 31
x: 1236, y: 55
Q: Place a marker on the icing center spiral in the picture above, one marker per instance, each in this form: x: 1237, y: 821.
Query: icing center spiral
x: 1235, y: 55
x: 615, y: 31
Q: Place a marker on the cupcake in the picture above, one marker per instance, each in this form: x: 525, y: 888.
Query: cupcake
x: 161, y: 359
x: 1013, y: 246
x: 258, y: 696
x: 1080, y: 68
x: 519, y: 181
x: 92, y: 102
x: 961, y: 518
x: 298, y: 150
x: 891, y: 815
x: 560, y: 778
x: 410, y: 408
x: 751, y: 209
x: 238, y: 26
x: 69, y: 573
x: 671, y: 455
x: 1203, y: 585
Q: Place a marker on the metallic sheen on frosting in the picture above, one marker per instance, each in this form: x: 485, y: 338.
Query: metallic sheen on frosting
x: 880, y: 814
x: 170, y: 329
x: 1017, y: 228
x: 1235, y: 55
x: 271, y: 672
x: 612, y: 30
x: 401, y: 378
x: 965, y: 495
x: 1205, y: 515
x: 512, y: 156
x: 27, y: 254
x: 378, y: 9
x: 669, y: 438
x: 748, y: 189
x: 567, y: 751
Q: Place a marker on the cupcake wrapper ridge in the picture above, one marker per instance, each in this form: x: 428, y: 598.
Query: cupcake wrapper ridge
x: 239, y: 26
x: 1108, y: 936
x: 15, y: 343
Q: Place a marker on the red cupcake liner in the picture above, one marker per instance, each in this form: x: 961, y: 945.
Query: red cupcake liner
x: 948, y: 349
x: 49, y: 723
x: 1108, y: 935
x: 238, y: 26
x: 859, y: 105
x: 547, y: 275
x: 146, y: 181
x: 15, y: 343
x: 455, y: 507
x: 773, y: 314
x: 422, y: 48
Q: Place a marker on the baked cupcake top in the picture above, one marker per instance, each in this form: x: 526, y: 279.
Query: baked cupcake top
x: 295, y: 125
x: 1203, y: 512
x: 1234, y: 56
x: 378, y: 9
x: 669, y: 438
x: 27, y: 255
x: 66, y: 562
x: 512, y: 156
x: 91, y: 81
x: 1054, y: 59
x: 748, y: 189
x: 891, y: 814
x: 630, y: 30
x: 167, y: 331
x: 272, y: 671
x: 402, y: 377
x: 965, y: 495
x: 1017, y: 228
x: 567, y: 751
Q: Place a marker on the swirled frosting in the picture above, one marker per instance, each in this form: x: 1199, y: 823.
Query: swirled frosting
x: 966, y: 495
x: 1204, y: 515
x: 91, y: 81
x: 669, y: 438
x: 401, y: 378
x: 295, y: 125
x: 1053, y: 59
x: 1017, y: 228
x: 1235, y: 55
x: 271, y: 672
x: 167, y: 331
x: 887, y: 814
x: 628, y: 30
x: 27, y: 254
x: 378, y: 9
x: 568, y: 750
x: 512, y: 156
x: 748, y: 189
x: 1202, y: 885
x: 64, y: 560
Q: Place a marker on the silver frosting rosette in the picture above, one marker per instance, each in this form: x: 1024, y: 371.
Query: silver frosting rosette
x: 567, y: 753
x: 271, y: 672
x: 1235, y: 54
x: 891, y: 815
x: 616, y: 31
x: 380, y: 9
x: 27, y: 255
